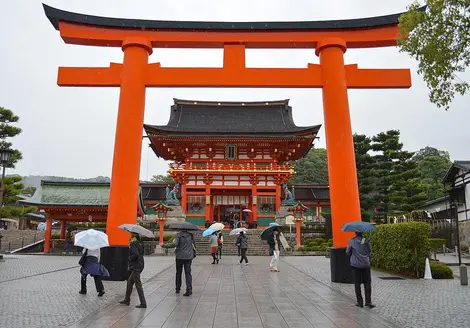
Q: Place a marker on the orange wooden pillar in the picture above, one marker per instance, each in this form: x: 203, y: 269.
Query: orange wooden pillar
x: 298, y: 223
x: 47, y: 238
x: 344, y: 194
x: 62, y: 229
x: 128, y: 143
x: 208, y: 205
x: 278, y: 198
x: 161, y: 224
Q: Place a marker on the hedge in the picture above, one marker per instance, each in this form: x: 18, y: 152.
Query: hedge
x: 441, y: 271
x: 316, y: 244
x: 401, y: 248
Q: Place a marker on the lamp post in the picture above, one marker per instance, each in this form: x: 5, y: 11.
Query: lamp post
x: 161, y: 208
x: 5, y: 157
x: 298, y: 211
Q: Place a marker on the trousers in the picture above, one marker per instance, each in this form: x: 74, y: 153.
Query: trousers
x: 275, y: 260
x: 186, y: 264
x: 243, y: 251
x: 362, y: 276
x: 98, y: 283
x: 134, y: 278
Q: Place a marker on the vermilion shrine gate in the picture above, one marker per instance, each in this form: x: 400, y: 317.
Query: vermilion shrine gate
x: 137, y: 38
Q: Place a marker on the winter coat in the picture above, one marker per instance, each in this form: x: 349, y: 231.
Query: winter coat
x: 136, y: 255
x: 242, y: 240
x: 359, y: 252
x: 271, y: 242
x: 93, y: 267
x: 184, y: 245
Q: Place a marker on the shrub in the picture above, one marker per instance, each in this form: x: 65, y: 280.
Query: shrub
x: 441, y: 271
x: 55, y: 236
x: 401, y: 248
x: 435, y: 244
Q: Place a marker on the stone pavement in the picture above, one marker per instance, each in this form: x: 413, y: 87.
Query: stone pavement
x: 232, y: 295
x: 42, y: 291
x: 410, y: 303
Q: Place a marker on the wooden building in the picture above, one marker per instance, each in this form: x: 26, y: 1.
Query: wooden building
x: 231, y: 159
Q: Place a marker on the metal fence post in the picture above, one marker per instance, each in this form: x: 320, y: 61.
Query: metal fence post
x: 22, y: 242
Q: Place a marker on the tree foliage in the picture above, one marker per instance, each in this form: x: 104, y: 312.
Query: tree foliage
x: 312, y: 169
x: 438, y: 39
x: 7, y: 130
x: 12, y: 188
x: 162, y: 179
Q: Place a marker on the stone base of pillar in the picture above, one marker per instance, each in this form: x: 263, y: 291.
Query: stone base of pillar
x: 115, y: 259
x: 340, y: 269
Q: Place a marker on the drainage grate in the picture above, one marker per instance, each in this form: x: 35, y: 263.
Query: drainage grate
x: 391, y: 278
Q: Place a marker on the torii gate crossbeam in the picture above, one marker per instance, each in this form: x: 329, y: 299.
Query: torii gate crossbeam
x: 138, y: 38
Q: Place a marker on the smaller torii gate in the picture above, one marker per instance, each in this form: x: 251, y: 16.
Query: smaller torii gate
x: 137, y: 38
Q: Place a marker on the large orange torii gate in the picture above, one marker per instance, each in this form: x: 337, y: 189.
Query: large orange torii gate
x: 137, y: 38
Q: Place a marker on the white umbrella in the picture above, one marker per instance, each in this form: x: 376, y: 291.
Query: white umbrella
x: 218, y: 226
x: 91, y: 239
x: 135, y: 228
x: 237, y: 231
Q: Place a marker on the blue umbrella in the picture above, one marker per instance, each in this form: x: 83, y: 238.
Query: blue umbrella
x: 358, y: 226
x: 274, y: 224
x: 208, y: 232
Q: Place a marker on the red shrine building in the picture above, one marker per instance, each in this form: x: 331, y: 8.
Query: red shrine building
x: 231, y: 159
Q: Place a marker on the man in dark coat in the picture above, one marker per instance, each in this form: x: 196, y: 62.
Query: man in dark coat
x: 184, y: 254
x: 359, y: 251
x: 136, y: 265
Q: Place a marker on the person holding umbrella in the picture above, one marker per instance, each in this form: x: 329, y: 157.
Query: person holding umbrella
x: 214, y: 247
x: 185, y: 253
x: 220, y: 242
x: 92, y: 241
x: 242, y: 240
x: 135, y: 267
x: 272, y: 236
x: 359, y: 251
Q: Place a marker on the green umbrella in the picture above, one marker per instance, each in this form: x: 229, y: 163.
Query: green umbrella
x: 266, y: 233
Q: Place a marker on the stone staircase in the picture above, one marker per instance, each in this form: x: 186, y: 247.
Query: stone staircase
x: 256, y: 246
x: 15, y: 239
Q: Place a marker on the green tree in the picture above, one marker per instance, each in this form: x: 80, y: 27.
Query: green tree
x: 13, y: 188
x: 430, y: 151
x: 28, y: 191
x: 432, y: 169
x: 438, y: 39
x: 365, y: 177
x: 7, y: 130
x: 162, y: 179
x: 312, y: 169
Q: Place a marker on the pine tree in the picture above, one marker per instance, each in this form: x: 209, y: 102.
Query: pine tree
x: 7, y: 130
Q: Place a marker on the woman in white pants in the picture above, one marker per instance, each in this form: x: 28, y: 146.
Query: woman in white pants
x: 274, y: 249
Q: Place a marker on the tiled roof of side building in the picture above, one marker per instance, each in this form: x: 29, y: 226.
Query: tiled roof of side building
x: 231, y: 118
x: 87, y: 194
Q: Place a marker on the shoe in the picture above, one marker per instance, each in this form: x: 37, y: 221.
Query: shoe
x: 101, y: 293
x: 177, y: 291
x: 359, y: 305
x: 124, y: 302
x: 188, y: 294
x: 370, y: 305
x: 82, y: 292
x: 141, y: 306
x: 246, y: 264
x: 270, y: 268
x: 217, y: 261
x: 213, y: 262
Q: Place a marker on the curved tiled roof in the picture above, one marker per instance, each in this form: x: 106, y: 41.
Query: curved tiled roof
x: 55, y: 15
x: 231, y: 118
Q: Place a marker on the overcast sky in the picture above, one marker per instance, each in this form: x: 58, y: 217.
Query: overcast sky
x: 70, y: 131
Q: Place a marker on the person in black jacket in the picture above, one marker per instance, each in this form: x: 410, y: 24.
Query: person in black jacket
x: 274, y: 243
x: 136, y: 265
x: 184, y: 253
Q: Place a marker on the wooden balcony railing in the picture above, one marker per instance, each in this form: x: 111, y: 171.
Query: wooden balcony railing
x: 213, y: 166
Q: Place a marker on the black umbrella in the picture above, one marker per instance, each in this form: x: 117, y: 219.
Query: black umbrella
x: 184, y: 226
